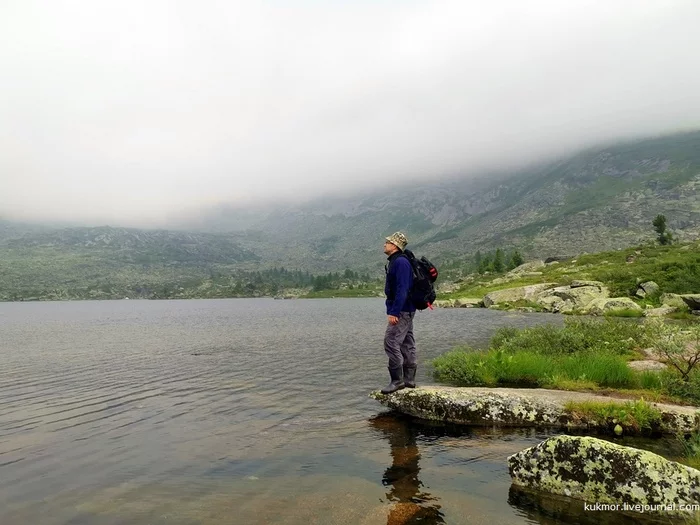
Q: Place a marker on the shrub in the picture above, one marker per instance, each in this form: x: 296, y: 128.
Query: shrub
x: 680, y: 346
x: 578, y: 335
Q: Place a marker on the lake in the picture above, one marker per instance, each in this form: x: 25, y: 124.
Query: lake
x: 241, y: 411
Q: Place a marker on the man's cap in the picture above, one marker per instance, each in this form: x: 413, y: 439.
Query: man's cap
x: 398, y: 239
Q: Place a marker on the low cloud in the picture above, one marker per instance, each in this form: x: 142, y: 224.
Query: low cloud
x: 128, y: 112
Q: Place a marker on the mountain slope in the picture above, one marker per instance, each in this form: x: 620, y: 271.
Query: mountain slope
x: 110, y: 262
x: 604, y: 198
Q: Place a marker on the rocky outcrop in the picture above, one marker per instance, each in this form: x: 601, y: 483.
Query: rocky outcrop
x: 516, y: 407
x: 577, y: 296
x: 512, y: 295
x: 597, y: 471
x: 603, y: 306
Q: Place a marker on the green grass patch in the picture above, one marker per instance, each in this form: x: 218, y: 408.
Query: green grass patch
x: 635, y: 415
x: 583, y: 355
x: 530, y: 369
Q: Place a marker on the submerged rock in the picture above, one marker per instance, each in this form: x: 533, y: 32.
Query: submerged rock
x: 597, y: 471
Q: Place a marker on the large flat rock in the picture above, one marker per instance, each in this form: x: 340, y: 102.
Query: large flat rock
x: 517, y: 407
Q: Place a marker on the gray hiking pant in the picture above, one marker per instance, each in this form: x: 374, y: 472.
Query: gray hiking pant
x: 399, y: 344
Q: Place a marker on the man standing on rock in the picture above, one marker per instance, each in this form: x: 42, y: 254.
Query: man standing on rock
x: 399, y: 344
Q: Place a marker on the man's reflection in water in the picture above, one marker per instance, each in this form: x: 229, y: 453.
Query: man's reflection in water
x: 410, y: 504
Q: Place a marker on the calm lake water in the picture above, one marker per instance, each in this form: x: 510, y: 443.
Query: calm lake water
x: 241, y: 411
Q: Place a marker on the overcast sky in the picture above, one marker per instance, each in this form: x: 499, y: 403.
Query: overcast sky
x: 125, y: 111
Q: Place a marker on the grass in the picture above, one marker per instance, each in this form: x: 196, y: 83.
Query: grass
x: 583, y: 355
x: 690, y: 449
x: 635, y: 416
x: 531, y: 369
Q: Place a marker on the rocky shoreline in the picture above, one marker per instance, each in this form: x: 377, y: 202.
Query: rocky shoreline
x: 584, y: 468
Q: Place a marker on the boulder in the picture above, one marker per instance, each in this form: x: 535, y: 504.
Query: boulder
x: 511, y: 295
x: 672, y: 299
x: 568, y: 298
x: 647, y: 288
x: 526, y: 267
x: 555, y: 304
x: 602, y: 306
x: 660, y: 312
x: 597, y: 471
x: 692, y: 300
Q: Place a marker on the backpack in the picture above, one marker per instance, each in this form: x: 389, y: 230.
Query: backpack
x: 424, y: 275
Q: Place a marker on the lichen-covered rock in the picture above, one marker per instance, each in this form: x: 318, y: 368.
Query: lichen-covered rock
x: 512, y: 295
x: 672, y: 299
x: 601, y: 306
x: 517, y: 407
x: 598, y: 471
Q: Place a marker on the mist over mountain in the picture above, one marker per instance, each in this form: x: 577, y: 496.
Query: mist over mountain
x: 601, y: 198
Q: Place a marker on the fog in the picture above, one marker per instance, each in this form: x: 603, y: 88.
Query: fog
x: 128, y: 112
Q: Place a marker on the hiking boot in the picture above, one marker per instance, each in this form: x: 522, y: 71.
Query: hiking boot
x: 396, y: 381
x: 409, y: 376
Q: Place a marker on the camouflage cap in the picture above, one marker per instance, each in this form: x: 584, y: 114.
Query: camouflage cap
x: 398, y: 239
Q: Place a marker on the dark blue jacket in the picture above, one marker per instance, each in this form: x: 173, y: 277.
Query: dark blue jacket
x: 399, y: 280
